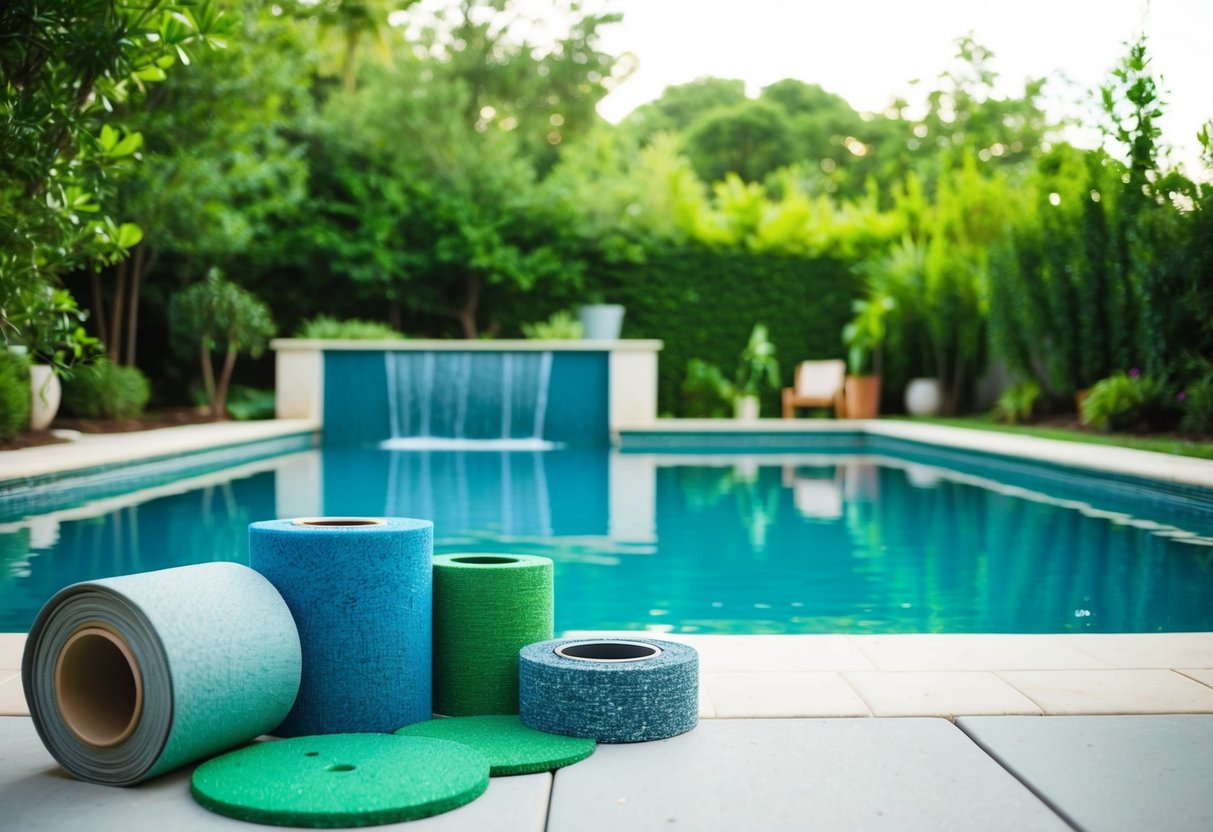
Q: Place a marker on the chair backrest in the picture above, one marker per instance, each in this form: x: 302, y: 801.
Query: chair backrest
x: 820, y: 379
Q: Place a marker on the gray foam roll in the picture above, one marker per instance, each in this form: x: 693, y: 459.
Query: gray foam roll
x: 130, y: 677
x: 611, y: 690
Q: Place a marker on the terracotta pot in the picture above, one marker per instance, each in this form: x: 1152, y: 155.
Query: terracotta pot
x: 863, y: 396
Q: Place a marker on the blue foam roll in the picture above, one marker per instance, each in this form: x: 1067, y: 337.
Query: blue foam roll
x: 130, y: 677
x: 360, y: 590
x: 610, y: 690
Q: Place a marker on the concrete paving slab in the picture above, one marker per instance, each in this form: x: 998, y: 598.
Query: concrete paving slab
x: 1109, y: 773
x: 12, y: 695
x: 973, y: 652
x: 12, y: 645
x: 1071, y: 692
x: 767, y: 695
x: 776, y: 775
x: 1204, y: 675
x: 947, y: 694
x: 36, y: 795
x: 1143, y: 650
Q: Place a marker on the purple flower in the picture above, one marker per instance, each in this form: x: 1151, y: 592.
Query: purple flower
x: 1134, y: 372
x: 1183, y: 394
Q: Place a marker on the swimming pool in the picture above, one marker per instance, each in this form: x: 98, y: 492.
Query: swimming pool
x: 838, y: 539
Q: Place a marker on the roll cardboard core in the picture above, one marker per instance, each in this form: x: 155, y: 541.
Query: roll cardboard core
x: 609, y: 651
x: 485, y: 559
x: 98, y: 687
x: 338, y: 521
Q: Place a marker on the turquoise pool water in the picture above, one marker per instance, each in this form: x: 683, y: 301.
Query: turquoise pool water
x: 812, y: 542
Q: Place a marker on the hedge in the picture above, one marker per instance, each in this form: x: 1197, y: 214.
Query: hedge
x: 703, y: 302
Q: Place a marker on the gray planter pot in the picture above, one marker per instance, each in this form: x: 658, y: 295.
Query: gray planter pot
x: 601, y: 321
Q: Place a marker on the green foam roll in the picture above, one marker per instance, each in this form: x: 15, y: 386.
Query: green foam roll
x: 131, y: 677
x: 341, y: 780
x: 511, y: 747
x: 486, y: 609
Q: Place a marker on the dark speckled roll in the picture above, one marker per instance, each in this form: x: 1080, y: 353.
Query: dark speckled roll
x: 360, y: 590
x: 610, y: 690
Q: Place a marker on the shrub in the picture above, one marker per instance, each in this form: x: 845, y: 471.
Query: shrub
x: 15, y: 398
x: 103, y: 390
x: 218, y: 315
x: 562, y: 326
x: 354, y: 329
x: 248, y: 403
x: 1196, y: 404
x: 1128, y: 401
x: 705, y: 392
x: 1017, y: 402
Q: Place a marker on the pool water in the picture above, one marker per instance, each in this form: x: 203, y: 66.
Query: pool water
x: 689, y: 543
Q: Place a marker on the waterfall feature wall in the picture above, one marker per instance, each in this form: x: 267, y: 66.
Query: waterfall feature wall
x: 472, y: 398
x: 451, y: 399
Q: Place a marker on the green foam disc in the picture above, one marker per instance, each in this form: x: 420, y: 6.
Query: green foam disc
x: 341, y: 780
x: 510, y: 746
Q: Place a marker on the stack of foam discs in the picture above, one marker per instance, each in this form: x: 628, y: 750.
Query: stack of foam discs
x: 486, y: 609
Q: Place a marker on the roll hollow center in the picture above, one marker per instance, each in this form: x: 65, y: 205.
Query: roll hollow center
x: 609, y: 651
x: 339, y: 521
x: 485, y: 559
x: 98, y: 687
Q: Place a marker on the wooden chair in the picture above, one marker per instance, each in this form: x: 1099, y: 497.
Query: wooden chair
x: 817, y: 384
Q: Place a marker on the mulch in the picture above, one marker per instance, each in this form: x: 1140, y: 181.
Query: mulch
x: 159, y: 418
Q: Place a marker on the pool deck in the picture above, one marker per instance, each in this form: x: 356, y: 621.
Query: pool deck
x: 797, y: 729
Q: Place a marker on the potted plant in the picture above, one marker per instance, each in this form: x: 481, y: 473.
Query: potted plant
x: 601, y: 321
x: 51, y: 327
x: 863, y: 337
x: 757, y: 368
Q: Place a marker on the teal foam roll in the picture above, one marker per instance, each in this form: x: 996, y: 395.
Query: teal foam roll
x: 609, y: 690
x: 130, y: 677
x: 361, y: 593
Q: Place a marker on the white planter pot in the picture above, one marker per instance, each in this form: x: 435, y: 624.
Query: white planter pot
x: 601, y: 321
x: 745, y: 408
x: 922, y: 397
x: 46, y: 391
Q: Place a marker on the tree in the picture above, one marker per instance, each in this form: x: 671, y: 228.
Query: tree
x: 680, y: 105
x: 215, y: 314
x: 64, y: 67
x: 219, y: 162
x: 750, y: 139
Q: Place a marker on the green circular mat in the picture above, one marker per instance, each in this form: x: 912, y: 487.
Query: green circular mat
x: 341, y: 780
x: 510, y: 746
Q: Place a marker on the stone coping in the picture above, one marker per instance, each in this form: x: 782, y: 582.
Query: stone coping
x: 98, y: 450
x: 1091, y: 457
x: 455, y: 345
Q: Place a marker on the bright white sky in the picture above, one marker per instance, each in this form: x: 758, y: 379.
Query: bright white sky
x: 868, y: 51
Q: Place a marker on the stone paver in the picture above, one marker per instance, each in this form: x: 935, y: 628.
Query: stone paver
x: 1141, y: 650
x: 1064, y: 692
x: 12, y: 695
x: 12, y: 645
x: 947, y: 694
x: 38, y: 796
x: 783, y: 775
x: 768, y: 695
x: 1200, y: 674
x: 973, y: 652
x: 1110, y: 773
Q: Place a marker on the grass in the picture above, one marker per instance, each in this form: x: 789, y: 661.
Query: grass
x: 1160, y: 444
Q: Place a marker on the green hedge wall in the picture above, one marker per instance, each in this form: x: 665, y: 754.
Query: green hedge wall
x: 703, y: 302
